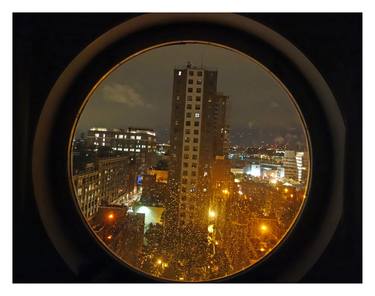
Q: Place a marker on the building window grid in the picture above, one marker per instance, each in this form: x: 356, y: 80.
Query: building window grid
x: 191, y: 168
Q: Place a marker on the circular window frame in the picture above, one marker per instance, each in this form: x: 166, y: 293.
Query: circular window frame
x: 47, y: 179
x: 251, y: 60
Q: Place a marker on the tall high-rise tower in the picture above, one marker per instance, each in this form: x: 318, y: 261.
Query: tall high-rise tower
x: 197, y: 135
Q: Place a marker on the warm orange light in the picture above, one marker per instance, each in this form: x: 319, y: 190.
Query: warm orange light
x: 286, y: 190
x: 159, y: 261
x: 110, y: 216
x: 262, y: 249
x: 263, y: 227
x: 273, y: 181
x: 109, y: 237
x: 225, y: 191
x: 211, y: 214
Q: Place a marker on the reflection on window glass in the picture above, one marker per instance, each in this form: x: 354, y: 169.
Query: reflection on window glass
x: 190, y: 162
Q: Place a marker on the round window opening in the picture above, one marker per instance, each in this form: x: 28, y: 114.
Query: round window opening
x: 190, y: 162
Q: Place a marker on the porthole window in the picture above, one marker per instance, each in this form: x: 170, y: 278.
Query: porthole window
x: 183, y: 211
x: 262, y: 175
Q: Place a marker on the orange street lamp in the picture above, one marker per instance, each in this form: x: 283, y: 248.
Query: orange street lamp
x: 263, y: 228
x: 211, y: 214
x: 110, y: 216
x: 225, y: 191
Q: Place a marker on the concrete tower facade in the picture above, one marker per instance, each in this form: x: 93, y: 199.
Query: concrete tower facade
x: 197, y: 135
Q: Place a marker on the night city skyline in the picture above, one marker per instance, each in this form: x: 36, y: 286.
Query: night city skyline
x: 186, y: 147
x: 177, y: 186
x: 139, y: 93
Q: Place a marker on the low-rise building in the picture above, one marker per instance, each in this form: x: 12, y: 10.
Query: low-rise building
x: 88, y: 191
x: 138, y: 143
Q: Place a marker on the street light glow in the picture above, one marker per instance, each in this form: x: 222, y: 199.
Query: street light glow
x: 211, y: 214
x: 110, y: 216
x: 263, y: 227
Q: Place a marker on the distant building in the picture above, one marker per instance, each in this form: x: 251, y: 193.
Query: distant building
x: 295, y: 165
x: 102, y: 137
x: 302, y: 169
x: 138, y: 143
x: 290, y: 165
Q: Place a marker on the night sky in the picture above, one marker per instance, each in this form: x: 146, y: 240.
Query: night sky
x: 139, y: 94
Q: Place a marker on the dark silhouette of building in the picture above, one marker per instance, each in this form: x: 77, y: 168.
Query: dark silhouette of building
x: 122, y: 231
